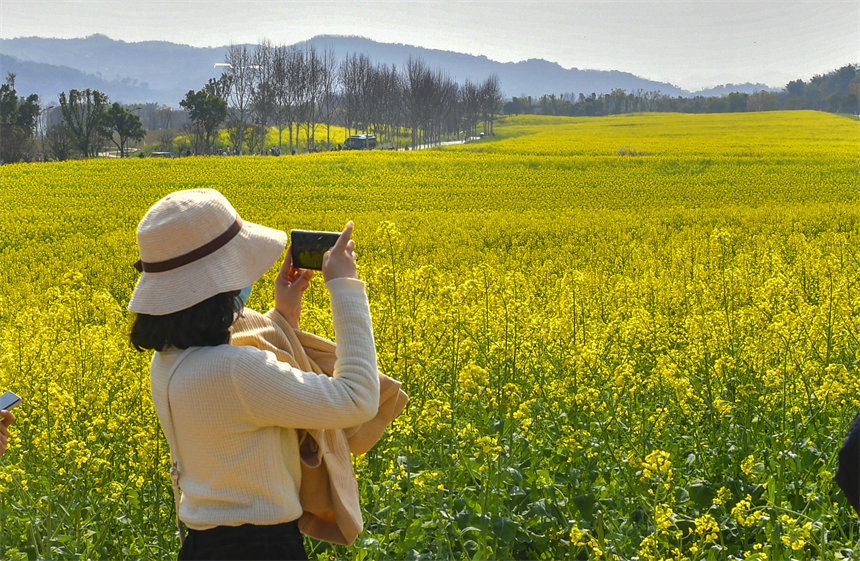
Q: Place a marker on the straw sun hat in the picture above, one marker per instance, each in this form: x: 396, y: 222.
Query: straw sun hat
x: 193, y: 245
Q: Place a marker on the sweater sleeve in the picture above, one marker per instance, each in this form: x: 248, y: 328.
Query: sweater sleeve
x: 274, y: 393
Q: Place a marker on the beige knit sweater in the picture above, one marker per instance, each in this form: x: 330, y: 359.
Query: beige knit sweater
x: 235, y: 410
x: 328, y: 490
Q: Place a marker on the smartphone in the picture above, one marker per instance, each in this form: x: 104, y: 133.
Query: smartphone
x: 309, y: 246
x: 9, y: 400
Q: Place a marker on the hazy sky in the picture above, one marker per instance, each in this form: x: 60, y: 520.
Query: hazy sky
x: 692, y: 44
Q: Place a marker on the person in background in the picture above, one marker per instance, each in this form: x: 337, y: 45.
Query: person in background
x: 848, y: 470
x: 8, y: 419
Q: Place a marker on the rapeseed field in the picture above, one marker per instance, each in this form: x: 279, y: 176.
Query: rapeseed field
x: 623, y: 337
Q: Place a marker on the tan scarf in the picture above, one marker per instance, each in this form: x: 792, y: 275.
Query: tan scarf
x: 328, y: 491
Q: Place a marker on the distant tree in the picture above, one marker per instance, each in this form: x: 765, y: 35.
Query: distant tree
x: 47, y: 117
x: 618, y: 98
x: 795, y: 88
x: 59, y: 142
x: 206, y: 111
x: 349, y: 78
x: 447, y: 118
x: 491, y: 101
x: 513, y: 107
x: 83, y: 113
x: 717, y: 105
x: 18, y: 119
x: 418, y: 93
x: 371, y: 96
x: 219, y: 87
x: 850, y: 104
x: 121, y: 126
x: 280, y: 59
x: 470, y: 102
x: 264, y: 89
x: 240, y: 73
x: 328, y: 78
x: 252, y: 136
x: 290, y: 77
x: 389, y: 84
x: 309, y: 104
x: 163, y: 121
x: 763, y: 101
x: 845, y: 77
x: 737, y: 101
x: 233, y: 134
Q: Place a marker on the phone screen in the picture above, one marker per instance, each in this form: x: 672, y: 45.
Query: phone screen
x: 9, y: 400
x: 309, y: 247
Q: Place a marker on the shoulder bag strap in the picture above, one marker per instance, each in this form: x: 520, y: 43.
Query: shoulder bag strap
x: 171, y: 440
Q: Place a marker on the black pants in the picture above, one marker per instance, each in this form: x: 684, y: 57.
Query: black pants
x: 248, y: 541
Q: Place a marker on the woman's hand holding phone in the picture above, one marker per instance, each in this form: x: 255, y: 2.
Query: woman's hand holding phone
x: 290, y: 285
x: 339, y: 261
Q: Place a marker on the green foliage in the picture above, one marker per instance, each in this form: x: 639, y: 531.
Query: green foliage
x: 83, y: 113
x: 17, y: 122
x: 837, y: 91
x: 125, y: 124
x: 207, y: 111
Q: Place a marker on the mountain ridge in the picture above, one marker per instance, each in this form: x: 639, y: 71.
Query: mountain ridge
x: 162, y: 71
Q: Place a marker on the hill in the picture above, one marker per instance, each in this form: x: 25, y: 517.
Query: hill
x: 43, y: 78
x: 162, y: 72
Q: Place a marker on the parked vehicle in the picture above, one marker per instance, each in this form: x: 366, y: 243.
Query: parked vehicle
x: 161, y: 155
x: 360, y: 142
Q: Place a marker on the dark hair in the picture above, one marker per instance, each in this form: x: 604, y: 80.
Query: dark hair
x: 206, y: 324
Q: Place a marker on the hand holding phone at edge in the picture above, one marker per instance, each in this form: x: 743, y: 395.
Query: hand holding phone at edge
x: 8, y: 419
x: 339, y: 261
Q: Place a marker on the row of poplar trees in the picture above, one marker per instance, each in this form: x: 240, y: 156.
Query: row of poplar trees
x: 295, y: 89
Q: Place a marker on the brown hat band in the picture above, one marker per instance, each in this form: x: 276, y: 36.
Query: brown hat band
x: 193, y: 255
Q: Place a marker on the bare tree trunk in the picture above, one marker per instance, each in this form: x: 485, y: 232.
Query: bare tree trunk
x: 241, y: 74
x: 290, y: 129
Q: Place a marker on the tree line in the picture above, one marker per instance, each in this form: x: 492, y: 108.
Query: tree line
x: 88, y: 121
x: 295, y: 90
x: 837, y: 92
x: 290, y: 89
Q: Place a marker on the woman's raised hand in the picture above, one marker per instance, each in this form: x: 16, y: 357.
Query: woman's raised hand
x: 339, y: 261
x: 290, y: 284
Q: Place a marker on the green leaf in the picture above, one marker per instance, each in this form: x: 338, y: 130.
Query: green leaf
x: 413, y: 534
x: 701, y: 493
x: 585, y: 504
x: 515, y: 475
x: 544, y: 479
x: 505, y: 528
x: 539, y: 508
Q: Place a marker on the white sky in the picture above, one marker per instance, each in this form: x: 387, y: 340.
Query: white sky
x: 692, y: 44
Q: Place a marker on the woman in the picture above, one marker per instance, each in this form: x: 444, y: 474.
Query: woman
x: 230, y: 413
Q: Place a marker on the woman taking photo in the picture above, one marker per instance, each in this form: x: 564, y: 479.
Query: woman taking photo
x: 231, y: 413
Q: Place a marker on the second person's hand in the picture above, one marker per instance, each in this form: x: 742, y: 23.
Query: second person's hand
x: 339, y: 261
x: 6, y: 419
